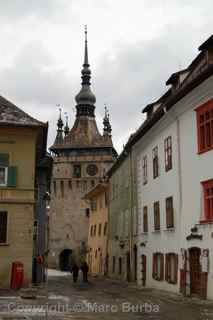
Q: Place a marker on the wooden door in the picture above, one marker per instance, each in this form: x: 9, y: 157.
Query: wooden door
x: 128, y: 266
x: 143, y: 270
x: 195, y: 270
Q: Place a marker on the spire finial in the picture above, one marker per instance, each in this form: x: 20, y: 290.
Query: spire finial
x: 85, y: 31
x: 86, y: 62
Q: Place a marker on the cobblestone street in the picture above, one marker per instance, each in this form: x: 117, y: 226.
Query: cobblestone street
x: 102, y: 299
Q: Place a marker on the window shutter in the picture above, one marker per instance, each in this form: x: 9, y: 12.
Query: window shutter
x: 161, y: 266
x: 4, y: 159
x: 12, y: 177
x: 3, y: 227
x: 176, y: 268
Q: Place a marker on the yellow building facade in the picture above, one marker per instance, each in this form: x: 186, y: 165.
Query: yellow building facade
x: 97, y: 256
x: 21, y: 144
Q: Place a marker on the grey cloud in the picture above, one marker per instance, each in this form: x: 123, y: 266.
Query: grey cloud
x: 137, y: 76
x: 20, y: 9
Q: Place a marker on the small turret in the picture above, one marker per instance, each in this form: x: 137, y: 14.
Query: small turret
x: 59, y: 137
x: 107, y: 126
x: 66, y: 128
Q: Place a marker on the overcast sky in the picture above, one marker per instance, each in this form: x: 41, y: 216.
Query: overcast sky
x: 134, y: 46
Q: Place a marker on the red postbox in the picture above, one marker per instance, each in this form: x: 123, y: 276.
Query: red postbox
x: 17, y: 275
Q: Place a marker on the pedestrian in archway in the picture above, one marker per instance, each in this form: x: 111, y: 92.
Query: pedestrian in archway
x: 85, y: 269
x: 75, y: 271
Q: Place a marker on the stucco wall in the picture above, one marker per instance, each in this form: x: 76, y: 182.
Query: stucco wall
x: 158, y: 189
x: 18, y: 202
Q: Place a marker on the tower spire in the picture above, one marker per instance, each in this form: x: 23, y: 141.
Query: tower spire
x: 66, y: 128
x: 85, y: 98
x: 60, y: 124
x: 107, y: 126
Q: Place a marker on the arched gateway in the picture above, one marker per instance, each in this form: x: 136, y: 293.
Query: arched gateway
x: 65, y: 260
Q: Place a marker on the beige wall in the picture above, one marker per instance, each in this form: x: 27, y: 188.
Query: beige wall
x: 98, y: 243
x: 18, y: 202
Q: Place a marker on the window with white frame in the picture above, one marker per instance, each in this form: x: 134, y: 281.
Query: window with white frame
x: 3, y: 176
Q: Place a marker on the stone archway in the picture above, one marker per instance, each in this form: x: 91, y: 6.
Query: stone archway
x: 65, y: 260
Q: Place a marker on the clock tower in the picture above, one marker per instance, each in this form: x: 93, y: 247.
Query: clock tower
x: 82, y: 156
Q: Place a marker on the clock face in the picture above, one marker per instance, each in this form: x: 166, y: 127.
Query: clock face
x: 92, y: 170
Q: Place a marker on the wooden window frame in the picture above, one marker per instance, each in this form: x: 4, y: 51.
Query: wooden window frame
x: 5, y: 229
x: 145, y: 219
x: 208, y: 201
x: 155, y: 259
x: 145, y: 170
x: 205, y: 127
x: 156, y: 206
x: 169, y: 212
x: 155, y: 160
x: 168, y: 153
x: 168, y: 267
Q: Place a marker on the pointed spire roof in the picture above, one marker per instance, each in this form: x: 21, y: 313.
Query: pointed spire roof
x: 106, y: 123
x: 59, y: 136
x: 85, y: 98
x: 66, y: 128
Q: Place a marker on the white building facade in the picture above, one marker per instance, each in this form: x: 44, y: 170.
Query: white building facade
x: 174, y: 148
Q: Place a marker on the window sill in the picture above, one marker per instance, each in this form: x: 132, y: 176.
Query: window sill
x: 204, y: 151
x: 4, y: 244
x: 206, y: 222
